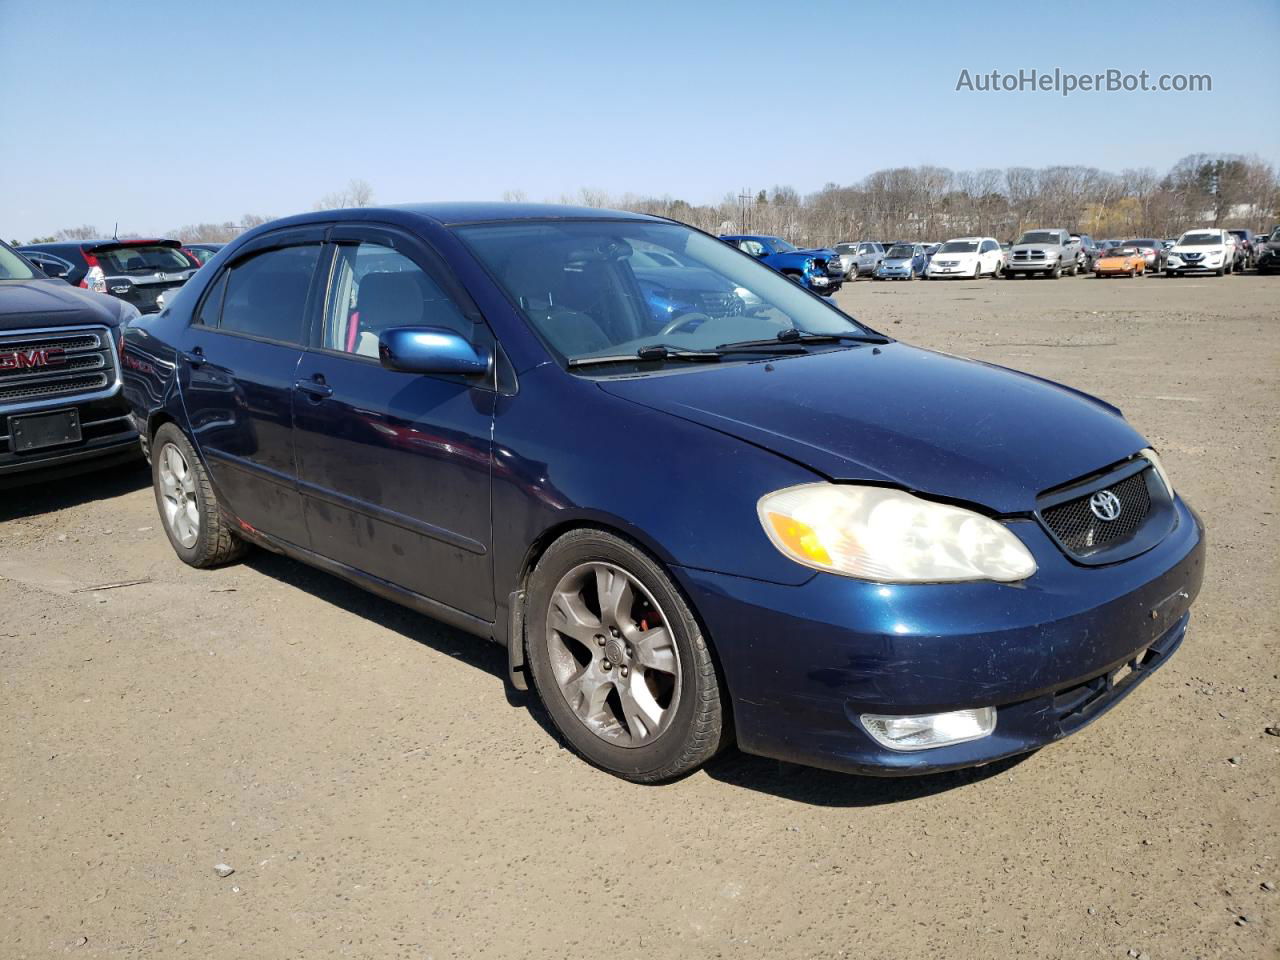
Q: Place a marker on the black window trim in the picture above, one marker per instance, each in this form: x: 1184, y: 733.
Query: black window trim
x: 295, y: 236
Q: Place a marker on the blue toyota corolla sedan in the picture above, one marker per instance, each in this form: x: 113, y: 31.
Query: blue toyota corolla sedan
x: 751, y: 519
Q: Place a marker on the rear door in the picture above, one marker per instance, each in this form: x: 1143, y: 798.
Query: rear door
x: 394, y: 468
x: 239, y: 361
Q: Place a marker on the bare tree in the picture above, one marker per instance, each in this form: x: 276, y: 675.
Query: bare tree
x: 357, y: 193
x: 83, y: 232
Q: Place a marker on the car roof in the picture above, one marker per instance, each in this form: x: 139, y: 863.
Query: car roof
x: 491, y: 212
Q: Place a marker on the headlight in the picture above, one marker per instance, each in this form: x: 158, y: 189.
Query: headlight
x: 1158, y: 467
x: 874, y: 533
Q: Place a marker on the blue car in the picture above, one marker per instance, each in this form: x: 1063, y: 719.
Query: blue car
x: 904, y: 261
x: 819, y: 269
x: 750, y: 519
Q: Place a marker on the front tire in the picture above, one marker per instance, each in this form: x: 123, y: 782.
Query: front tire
x: 189, y: 511
x: 619, y: 660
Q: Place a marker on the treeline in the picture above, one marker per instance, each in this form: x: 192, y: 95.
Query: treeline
x: 931, y: 203
x: 934, y: 203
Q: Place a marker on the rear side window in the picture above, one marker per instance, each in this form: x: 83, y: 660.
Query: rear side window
x: 264, y: 296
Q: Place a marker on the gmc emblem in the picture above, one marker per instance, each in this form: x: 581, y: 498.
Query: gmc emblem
x: 25, y: 359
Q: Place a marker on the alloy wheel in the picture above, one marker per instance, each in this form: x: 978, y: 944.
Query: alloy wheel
x: 613, y: 655
x: 178, y: 495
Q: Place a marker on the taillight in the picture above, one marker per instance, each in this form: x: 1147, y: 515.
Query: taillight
x: 95, y: 280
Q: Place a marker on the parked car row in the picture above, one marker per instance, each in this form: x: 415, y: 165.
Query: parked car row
x: 550, y: 427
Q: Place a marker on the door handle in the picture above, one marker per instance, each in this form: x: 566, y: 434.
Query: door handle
x: 316, y: 390
x: 195, y: 357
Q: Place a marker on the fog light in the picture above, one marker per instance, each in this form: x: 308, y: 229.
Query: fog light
x: 930, y: 730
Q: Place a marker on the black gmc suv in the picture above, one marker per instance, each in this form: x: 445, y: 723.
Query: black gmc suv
x: 61, y: 408
x: 136, y: 271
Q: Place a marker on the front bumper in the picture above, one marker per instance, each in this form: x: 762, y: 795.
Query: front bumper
x: 960, y: 270
x: 108, y: 437
x: 803, y: 663
x: 1198, y: 266
x: 894, y: 273
x: 1032, y: 266
x: 823, y: 284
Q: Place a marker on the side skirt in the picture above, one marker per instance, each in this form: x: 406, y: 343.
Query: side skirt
x: 383, y: 588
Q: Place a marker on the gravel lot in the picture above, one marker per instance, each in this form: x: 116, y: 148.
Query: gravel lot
x: 380, y: 793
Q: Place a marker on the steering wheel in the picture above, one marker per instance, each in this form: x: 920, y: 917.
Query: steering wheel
x: 683, y: 320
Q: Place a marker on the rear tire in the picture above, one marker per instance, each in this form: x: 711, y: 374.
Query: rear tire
x: 189, y: 510
x: 619, y: 660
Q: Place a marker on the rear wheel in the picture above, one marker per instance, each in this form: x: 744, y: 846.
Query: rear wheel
x: 619, y: 660
x: 189, y: 511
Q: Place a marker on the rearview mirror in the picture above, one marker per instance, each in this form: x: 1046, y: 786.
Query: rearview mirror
x: 431, y: 350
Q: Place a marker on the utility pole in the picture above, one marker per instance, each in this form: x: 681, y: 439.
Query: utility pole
x: 746, y: 201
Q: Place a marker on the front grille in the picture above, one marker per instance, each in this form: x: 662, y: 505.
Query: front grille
x: 1028, y: 255
x: 1080, y: 530
x: 83, y: 361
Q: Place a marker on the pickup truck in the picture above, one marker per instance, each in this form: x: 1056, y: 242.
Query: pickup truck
x: 61, y: 406
x: 820, y: 269
x: 1049, y: 252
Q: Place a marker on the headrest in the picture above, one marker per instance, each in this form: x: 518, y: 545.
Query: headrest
x: 390, y: 300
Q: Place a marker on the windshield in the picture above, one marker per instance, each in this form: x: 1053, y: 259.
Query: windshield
x: 1199, y: 240
x: 1123, y: 252
x: 595, y: 289
x: 846, y: 248
x: 1148, y: 243
x: 781, y: 246
x: 142, y: 260
x: 959, y: 246
x: 13, y: 267
x: 1040, y: 236
x: 901, y: 252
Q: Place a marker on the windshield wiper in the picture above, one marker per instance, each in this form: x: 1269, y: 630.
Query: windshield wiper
x: 797, y: 336
x: 653, y: 351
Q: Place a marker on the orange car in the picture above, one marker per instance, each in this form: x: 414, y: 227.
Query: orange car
x: 1121, y: 260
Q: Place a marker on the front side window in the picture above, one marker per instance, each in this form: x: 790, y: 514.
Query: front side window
x: 753, y: 247
x: 589, y: 290
x: 374, y: 288
x: 12, y: 267
x: 265, y: 295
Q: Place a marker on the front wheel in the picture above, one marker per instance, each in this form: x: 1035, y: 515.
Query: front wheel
x: 189, y: 511
x: 619, y: 660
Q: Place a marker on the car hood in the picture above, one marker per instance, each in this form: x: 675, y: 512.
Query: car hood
x: 825, y: 253
x: 53, y: 303
x: 896, y: 414
x: 1206, y: 248
x: 1036, y: 246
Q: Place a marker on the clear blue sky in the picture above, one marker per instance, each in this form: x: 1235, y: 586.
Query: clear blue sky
x: 207, y: 110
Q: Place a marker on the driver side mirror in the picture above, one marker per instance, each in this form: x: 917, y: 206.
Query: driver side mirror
x: 432, y: 350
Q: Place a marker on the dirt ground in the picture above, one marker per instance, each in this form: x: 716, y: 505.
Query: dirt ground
x: 380, y: 793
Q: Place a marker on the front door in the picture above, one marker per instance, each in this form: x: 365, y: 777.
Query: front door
x: 394, y: 468
x: 236, y: 373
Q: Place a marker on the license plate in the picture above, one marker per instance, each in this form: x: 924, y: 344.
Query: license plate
x: 44, y: 430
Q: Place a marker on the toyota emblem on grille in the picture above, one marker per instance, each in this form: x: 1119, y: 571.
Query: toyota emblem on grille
x: 1105, y: 505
